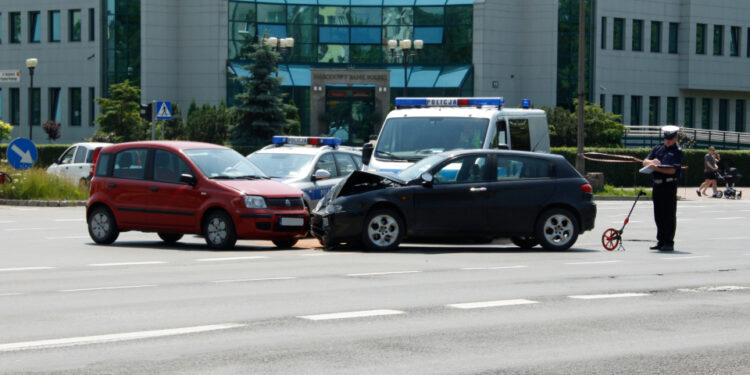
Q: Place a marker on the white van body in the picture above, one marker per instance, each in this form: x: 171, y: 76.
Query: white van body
x: 410, y: 134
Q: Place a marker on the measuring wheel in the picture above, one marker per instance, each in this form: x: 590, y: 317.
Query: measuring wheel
x: 611, y: 239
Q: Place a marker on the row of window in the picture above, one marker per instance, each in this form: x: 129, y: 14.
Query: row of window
x: 54, y: 105
x: 689, y: 106
x: 656, y: 31
x: 34, y: 26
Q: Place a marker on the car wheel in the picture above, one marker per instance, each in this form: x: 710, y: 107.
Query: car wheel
x: 383, y: 230
x: 218, y: 229
x: 524, y: 242
x: 102, y: 226
x: 170, y: 238
x: 285, y: 244
x: 557, y: 229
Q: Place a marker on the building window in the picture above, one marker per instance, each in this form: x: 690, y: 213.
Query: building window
x: 604, y: 33
x: 55, y: 110
x: 637, y: 35
x: 635, y: 110
x: 655, y: 36
x: 734, y: 41
x: 747, y: 48
x: 92, y: 24
x: 723, y: 114
x: 75, y: 106
x: 739, y: 118
x: 617, y: 104
x: 35, y: 27
x: 706, y: 114
x: 74, y: 25
x: 15, y: 106
x: 618, y: 34
x: 653, y: 110
x: 674, y: 31
x: 690, y: 112
x: 1, y: 98
x: 671, y: 110
x: 54, y: 26
x: 718, y: 40
x: 35, y: 110
x: 92, y: 106
x: 603, y: 101
x: 15, y: 27
x: 1, y: 28
x: 700, y: 39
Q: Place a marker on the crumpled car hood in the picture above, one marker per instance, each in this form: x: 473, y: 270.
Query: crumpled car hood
x: 360, y: 182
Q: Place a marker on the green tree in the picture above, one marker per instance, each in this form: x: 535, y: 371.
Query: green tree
x: 207, y: 123
x: 120, y: 119
x: 260, y: 110
x: 601, y: 129
x: 5, y: 130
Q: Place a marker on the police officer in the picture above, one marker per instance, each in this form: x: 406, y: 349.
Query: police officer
x: 665, y: 160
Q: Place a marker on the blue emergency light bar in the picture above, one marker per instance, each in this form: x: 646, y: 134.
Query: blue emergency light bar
x: 525, y: 103
x: 449, y: 102
x: 315, y: 141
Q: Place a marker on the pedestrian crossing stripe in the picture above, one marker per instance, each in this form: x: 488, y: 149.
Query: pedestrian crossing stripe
x: 164, y: 111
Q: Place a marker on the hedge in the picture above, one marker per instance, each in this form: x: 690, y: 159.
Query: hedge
x: 626, y: 174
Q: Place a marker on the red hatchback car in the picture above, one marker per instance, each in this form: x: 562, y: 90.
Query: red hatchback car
x: 173, y: 188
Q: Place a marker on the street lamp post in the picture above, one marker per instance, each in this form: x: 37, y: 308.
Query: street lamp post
x: 407, y: 51
x: 282, y: 45
x: 31, y: 64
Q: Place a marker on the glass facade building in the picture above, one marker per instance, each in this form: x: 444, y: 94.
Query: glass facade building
x: 122, y: 43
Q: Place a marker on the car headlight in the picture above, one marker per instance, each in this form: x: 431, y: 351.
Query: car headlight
x: 254, y: 201
x: 334, y: 208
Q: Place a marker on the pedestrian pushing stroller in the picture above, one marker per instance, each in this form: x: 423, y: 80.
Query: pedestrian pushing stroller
x: 730, y: 177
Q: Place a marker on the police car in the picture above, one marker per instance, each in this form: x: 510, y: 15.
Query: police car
x: 311, y: 164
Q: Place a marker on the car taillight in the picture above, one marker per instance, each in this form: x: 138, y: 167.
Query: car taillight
x: 93, y: 161
x: 587, y: 188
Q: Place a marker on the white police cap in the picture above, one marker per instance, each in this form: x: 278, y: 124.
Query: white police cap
x: 670, y: 131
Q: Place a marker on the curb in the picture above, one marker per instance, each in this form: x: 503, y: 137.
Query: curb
x: 39, y: 203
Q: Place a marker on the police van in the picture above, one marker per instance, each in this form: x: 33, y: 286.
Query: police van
x: 420, y: 127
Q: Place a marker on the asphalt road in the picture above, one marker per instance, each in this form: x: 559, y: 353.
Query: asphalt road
x: 139, y: 307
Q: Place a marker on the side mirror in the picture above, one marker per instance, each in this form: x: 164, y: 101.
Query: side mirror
x: 188, y: 179
x: 321, y: 174
x: 426, y: 179
x: 367, y: 150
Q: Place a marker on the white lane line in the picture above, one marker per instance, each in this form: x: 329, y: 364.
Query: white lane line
x: 479, y: 305
x: 125, y: 264
x: 26, y: 269
x: 735, y: 238
x: 693, y: 257
x: 314, y: 255
x: 351, y: 314
x: 260, y: 279
x: 9, y: 294
x: 229, y: 258
x: 724, y: 288
x: 616, y: 295
x: 20, y: 229
x: 731, y: 218
x: 65, y: 238
x: 381, y: 273
x: 598, y: 262
x: 7, y: 221
x: 108, y: 288
x: 492, y: 268
x: 60, y: 220
x: 85, y: 340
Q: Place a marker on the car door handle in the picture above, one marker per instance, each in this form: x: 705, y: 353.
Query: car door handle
x: 154, y: 188
x: 477, y: 189
x: 112, y: 185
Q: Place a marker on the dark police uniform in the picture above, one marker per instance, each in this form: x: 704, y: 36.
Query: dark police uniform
x: 665, y: 194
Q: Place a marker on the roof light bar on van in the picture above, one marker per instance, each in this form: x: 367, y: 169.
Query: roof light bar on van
x: 525, y: 103
x: 449, y: 102
x: 315, y: 141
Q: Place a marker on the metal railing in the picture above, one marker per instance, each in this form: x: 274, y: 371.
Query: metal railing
x: 649, y: 136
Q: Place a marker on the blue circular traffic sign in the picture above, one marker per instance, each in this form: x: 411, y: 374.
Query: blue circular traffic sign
x: 21, y: 154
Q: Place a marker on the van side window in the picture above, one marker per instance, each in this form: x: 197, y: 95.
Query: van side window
x: 500, y: 138
x: 130, y: 164
x: 519, y: 135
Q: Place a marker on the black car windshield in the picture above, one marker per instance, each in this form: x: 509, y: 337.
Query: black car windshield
x: 413, y: 138
x: 223, y: 163
x: 424, y: 165
x: 282, y: 165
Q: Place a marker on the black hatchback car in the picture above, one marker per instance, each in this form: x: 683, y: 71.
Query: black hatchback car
x: 471, y: 194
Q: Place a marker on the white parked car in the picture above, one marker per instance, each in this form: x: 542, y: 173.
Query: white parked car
x: 75, y: 163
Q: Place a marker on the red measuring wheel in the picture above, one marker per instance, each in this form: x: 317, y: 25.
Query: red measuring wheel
x: 611, y: 239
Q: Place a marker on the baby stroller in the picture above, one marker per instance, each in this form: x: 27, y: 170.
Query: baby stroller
x: 730, y: 177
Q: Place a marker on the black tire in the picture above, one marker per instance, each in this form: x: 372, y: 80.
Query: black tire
x: 524, y: 242
x: 557, y: 229
x: 219, y: 232
x: 285, y: 244
x: 383, y: 230
x: 170, y: 238
x: 102, y: 226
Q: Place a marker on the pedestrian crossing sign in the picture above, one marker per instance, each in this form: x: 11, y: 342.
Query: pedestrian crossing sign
x: 164, y: 110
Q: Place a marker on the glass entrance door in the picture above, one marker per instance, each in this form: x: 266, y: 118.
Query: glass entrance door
x: 350, y: 113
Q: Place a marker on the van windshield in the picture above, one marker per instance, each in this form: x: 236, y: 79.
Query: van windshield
x: 413, y: 138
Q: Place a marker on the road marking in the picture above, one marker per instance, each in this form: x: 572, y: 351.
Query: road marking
x: 70, y: 219
x: 598, y: 262
x: 479, y: 305
x: 7, y: 221
x: 261, y: 279
x: 731, y: 218
x: 381, y: 273
x: 693, y: 257
x: 85, y: 340
x: 616, y: 295
x: 9, y: 294
x: 351, y: 314
x: 314, y: 255
x: 725, y: 288
x: 65, y: 238
x: 108, y: 288
x: 125, y: 264
x: 229, y: 258
x: 491, y: 268
x: 735, y: 238
x: 20, y: 229
x: 25, y: 269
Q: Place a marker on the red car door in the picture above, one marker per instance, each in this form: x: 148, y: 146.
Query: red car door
x: 174, y: 203
x: 128, y: 189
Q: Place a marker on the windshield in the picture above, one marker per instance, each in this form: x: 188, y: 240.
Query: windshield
x: 424, y: 165
x: 413, y: 138
x: 282, y: 165
x: 223, y: 163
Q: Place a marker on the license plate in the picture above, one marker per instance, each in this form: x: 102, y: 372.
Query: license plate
x: 292, y: 221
